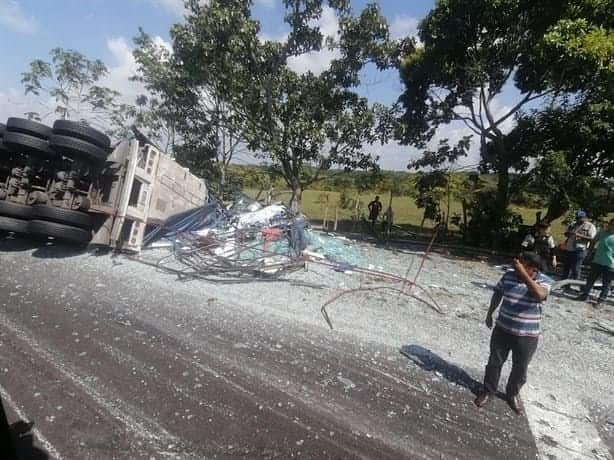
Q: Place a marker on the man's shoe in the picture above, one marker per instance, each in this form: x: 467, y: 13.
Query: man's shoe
x: 515, y: 403
x: 482, y: 399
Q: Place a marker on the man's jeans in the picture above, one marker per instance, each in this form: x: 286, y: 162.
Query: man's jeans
x: 573, y: 263
x: 522, y: 348
x: 607, y: 275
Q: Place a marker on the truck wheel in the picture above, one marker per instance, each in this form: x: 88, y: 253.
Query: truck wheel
x: 76, y: 147
x: 9, y: 209
x: 29, y: 127
x: 59, y: 232
x: 24, y: 143
x: 62, y: 216
x: 83, y: 132
x: 8, y: 224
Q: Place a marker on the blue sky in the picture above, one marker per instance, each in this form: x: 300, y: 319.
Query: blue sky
x: 104, y: 29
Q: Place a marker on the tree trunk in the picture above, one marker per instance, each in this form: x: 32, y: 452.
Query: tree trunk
x: 449, y: 193
x: 503, y: 191
x: 502, y: 197
x: 222, y: 184
x: 464, y: 232
x: 295, y: 199
x: 557, y: 207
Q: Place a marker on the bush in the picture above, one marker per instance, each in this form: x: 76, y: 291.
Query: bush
x: 489, y: 226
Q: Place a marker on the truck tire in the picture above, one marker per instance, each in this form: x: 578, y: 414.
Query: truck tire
x: 72, y: 146
x: 24, y: 143
x: 8, y: 224
x: 62, y: 216
x: 29, y: 127
x: 83, y: 132
x: 59, y: 232
x: 10, y: 209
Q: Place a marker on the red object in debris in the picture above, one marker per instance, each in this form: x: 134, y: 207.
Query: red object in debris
x: 271, y: 234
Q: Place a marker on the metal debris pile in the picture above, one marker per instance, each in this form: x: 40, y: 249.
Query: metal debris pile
x: 243, y: 241
x: 248, y: 241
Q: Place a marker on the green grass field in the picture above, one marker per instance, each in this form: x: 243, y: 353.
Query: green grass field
x: 406, y: 213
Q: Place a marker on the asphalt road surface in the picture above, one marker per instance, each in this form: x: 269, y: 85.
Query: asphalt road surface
x: 119, y: 366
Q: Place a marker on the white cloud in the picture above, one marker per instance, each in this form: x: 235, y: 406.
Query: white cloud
x: 263, y: 37
x: 121, y: 68
x: 161, y: 43
x: 404, y: 26
x: 15, y: 18
x: 318, y: 61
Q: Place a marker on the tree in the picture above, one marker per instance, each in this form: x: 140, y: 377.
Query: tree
x: 431, y: 189
x: 189, y: 115
x: 573, y: 145
x: 302, y: 124
x: 72, y: 81
x: 472, y: 50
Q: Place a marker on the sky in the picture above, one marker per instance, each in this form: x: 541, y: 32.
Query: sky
x: 103, y: 29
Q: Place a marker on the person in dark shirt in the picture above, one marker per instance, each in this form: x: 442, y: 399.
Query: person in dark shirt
x: 375, y: 207
x: 542, y: 242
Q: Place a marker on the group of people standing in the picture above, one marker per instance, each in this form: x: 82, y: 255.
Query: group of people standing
x: 582, y: 239
x: 520, y: 293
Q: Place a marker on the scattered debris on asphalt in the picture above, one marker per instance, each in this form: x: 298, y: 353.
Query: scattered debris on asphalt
x: 247, y: 241
x: 604, y: 327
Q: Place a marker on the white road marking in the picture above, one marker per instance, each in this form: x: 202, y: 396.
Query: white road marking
x: 52, y: 451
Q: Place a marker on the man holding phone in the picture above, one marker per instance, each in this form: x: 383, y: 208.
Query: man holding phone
x: 519, y: 295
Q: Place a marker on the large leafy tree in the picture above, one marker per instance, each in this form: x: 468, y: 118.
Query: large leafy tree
x: 233, y: 81
x: 472, y: 50
x: 73, y: 83
x: 573, y: 145
x: 181, y: 113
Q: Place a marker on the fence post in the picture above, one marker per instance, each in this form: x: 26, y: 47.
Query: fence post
x: 336, y: 218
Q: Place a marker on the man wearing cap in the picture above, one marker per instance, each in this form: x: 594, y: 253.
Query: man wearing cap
x: 602, y: 264
x: 519, y: 295
x: 579, y: 237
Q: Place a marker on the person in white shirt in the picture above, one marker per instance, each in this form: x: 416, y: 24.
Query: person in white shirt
x: 579, y: 237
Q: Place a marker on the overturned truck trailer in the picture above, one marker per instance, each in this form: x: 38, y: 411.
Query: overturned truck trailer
x: 67, y: 183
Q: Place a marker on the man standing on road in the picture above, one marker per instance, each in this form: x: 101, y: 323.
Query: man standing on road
x: 520, y: 294
x: 579, y: 237
x: 603, y: 264
x: 375, y: 207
